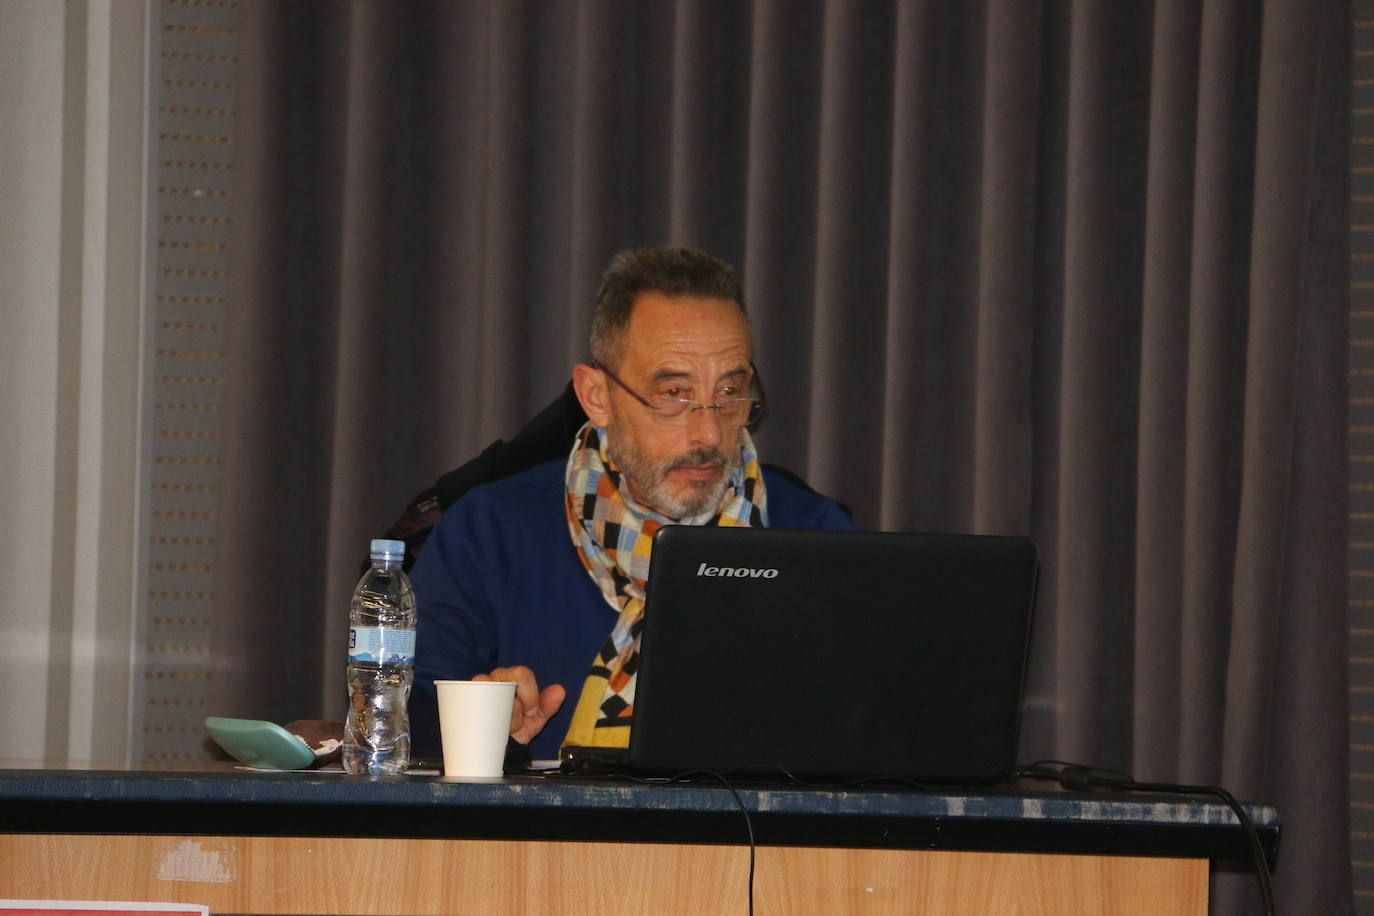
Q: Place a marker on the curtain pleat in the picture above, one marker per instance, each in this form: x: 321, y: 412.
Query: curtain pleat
x: 280, y: 366
x: 1277, y: 271
x: 899, y: 393
x: 1217, y: 333
x: 1070, y: 268
x: 780, y: 213
x: 852, y: 187
x: 1003, y: 269
x: 1161, y: 447
x: 1098, y: 400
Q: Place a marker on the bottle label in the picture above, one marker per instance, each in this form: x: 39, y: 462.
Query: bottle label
x: 381, y: 645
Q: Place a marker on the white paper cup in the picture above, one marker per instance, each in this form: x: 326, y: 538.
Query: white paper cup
x: 474, y: 723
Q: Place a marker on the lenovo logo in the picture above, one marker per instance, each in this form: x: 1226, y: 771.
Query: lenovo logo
x: 736, y: 572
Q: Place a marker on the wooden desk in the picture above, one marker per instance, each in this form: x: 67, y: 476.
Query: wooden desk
x: 247, y: 842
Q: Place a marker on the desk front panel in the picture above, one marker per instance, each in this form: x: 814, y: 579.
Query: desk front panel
x: 339, y: 875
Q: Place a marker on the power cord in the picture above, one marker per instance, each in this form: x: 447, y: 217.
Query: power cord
x: 748, y: 823
x: 1072, y: 776
x: 1080, y: 778
x: 753, y: 766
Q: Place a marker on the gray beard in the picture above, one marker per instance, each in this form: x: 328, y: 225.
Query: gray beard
x: 648, y: 482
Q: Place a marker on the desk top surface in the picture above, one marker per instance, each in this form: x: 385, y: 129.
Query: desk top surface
x: 243, y: 801
x: 230, y: 784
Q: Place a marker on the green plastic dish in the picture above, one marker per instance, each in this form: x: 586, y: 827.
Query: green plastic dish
x: 260, y: 744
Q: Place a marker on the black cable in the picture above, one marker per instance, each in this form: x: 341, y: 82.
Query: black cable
x: 1081, y: 778
x: 1072, y: 776
x: 748, y: 822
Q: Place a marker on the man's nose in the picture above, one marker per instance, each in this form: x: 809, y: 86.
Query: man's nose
x: 703, y: 427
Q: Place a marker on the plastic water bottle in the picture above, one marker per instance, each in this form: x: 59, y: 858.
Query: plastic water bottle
x: 381, y: 662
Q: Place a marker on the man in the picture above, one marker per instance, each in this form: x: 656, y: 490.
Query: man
x: 539, y: 578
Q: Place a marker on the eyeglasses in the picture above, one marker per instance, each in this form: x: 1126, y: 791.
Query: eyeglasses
x: 727, y: 405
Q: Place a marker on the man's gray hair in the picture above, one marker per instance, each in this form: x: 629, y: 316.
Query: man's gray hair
x: 672, y: 271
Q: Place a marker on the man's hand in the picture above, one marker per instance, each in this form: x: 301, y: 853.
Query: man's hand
x: 533, y: 707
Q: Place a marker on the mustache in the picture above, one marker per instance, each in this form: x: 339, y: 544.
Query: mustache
x: 696, y: 458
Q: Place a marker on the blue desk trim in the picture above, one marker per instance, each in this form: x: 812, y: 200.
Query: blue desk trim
x: 241, y: 802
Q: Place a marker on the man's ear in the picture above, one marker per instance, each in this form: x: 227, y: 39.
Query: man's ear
x: 592, y: 392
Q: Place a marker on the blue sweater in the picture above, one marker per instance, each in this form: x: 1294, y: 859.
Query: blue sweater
x: 499, y: 583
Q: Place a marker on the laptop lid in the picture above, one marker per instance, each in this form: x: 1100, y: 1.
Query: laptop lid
x: 835, y: 655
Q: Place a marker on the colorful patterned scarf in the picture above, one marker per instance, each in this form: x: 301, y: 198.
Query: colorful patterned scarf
x: 613, y: 535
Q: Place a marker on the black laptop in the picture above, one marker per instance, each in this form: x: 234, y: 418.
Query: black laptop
x: 834, y: 656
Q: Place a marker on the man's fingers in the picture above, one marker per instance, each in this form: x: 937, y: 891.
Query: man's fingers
x: 526, y: 687
x: 532, y: 707
x: 551, y: 700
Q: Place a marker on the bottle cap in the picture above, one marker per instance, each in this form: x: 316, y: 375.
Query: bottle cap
x: 386, y: 549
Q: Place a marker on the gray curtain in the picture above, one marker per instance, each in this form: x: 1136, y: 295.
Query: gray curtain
x: 1070, y: 269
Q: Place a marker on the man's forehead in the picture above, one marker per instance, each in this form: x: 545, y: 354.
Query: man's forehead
x: 666, y: 329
